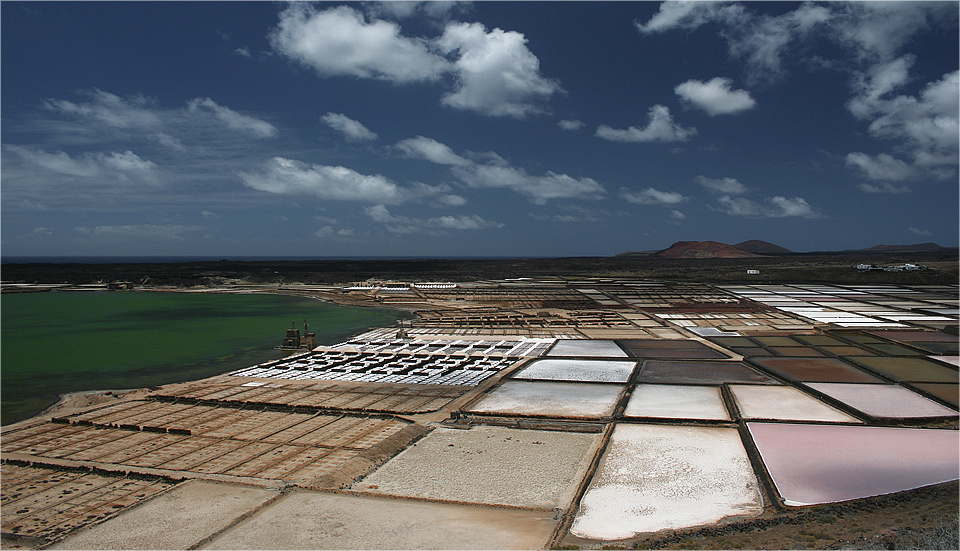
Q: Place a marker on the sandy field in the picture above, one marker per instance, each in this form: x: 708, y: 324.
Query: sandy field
x: 489, y: 465
x: 308, y: 520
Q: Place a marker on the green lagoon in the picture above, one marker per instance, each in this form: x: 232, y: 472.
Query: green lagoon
x: 59, y: 342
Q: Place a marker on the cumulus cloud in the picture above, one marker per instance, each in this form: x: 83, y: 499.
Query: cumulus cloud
x: 438, y: 9
x: 651, y: 196
x: 774, y: 207
x: 287, y: 176
x: 352, y: 130
x: 231, y: 118
x: 431, y: 150
x: 340, y: 42
x: 96, y: 168
x: 539, y: 189
x: 881, y: 167
x: 728, y: 186
x: 571, y: 124
x: 715, y: 96
x: 660, y: 128
x: 496, y: 73
x: 407, y: 225
x: 761, y: 41
x: 109, y: 109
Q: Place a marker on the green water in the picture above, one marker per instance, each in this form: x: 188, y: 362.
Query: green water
x: 53, y: 343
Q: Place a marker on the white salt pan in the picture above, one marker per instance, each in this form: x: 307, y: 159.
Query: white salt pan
x: 588, y: 348
x: 785, y: 403
x: 658, y: 477
x: 883, y: 400
x: 579, y: 370
x: 677, y: 402
x: 551, y: 399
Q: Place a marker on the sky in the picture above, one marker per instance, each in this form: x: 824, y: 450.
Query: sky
x: 451, y: 129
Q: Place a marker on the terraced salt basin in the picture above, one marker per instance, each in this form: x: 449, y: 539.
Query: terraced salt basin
x: 883, y: 400
x: 550, y: 399
x: 658, y: 477
x: 579, y: 370
x: 812, y: 464
x: 677, y: 402
x: 784, y: 403
x: 587, y: 348
x: 489, y: 465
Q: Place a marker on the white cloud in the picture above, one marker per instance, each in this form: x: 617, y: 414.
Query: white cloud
x: 728, y: 186
x: 539, y: 188
x: 925, y: 233
x: 651, y: 196
x: 760, y: 40
x: 153, y: 232
x: 715, y: 96
x: 884, y: 187
x: 339, y: 42
x: 660, y: 128
x: 209, y: 214
x: 775, y: 207
x: 352, y: 130
x: 42, y: 230
x: 571, y: 124
x: 496, y: 74
x: 287, y: 176
x: 677, y: 215
x: 882, y: 167
x: 231, y: 118
x: 96, y: 168
x: 108, y: 109
x: 431, y: 150
x: 407, y: 225
x: 399, y: 9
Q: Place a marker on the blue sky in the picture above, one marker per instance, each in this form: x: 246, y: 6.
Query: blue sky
x: 475, y: 129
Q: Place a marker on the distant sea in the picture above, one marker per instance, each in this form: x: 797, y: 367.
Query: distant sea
x: 56, y: 343
x: 181, y: 259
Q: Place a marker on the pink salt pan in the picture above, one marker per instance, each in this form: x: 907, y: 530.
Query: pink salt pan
x: 813, y: 464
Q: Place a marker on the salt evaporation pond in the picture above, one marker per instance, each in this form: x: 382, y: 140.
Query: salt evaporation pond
x: 581, y: 400
x: 784, y: 403
x: 587, y: 348
x: 883, y: 400
x: 812, y: 464
x: 579, y: 370
x: 489, y: 465
x: 677, y: 402
x: 660, y: 477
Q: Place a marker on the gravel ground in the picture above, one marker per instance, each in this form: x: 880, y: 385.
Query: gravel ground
x: 175, y: 520
x: 307, y: 520
x: 489, y: 465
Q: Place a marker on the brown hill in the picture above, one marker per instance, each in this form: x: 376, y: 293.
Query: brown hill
x: 904, y: 248
x: 761, y: 247
x: 703, y: 249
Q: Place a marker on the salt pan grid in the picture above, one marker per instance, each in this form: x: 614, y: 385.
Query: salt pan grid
x: 784, y: 403
x: 587, y: 348
x: 666, y: 349
x: 526, y: 347
x: 677, y: 402
x: 883, y: 400
x: 578, y: 370
x: 383, y: 397
x: 44, y: 503
x: 550, y: 399
x: 658, y: 477
x: 812, y: 464
x: 946, y: 392
x: 489, y: 465
x: 206, y: 439
x: 385, y: 367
